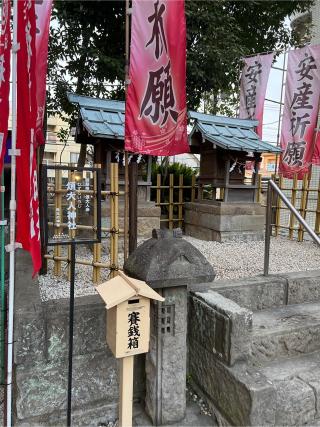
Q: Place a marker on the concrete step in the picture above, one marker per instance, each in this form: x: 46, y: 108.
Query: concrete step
x: 285, y: 332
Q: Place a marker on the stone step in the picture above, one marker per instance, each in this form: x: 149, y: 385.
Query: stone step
x: 297, y: 389
x: 285, y: 332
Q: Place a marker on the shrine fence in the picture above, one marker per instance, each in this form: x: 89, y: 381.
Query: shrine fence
x: 61, y: 255
x: 304, y: 196
x: 172, y: 198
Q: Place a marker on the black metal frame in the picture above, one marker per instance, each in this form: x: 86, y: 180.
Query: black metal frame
x: 55, y: 242
x: 73, y: 242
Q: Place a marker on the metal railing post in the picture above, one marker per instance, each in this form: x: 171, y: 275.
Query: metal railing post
x: 272, y: 186
x: 268, y: 230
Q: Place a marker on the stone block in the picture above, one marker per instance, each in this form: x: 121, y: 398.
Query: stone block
x: 167, y: 365
x: 241, y: 395
x: 89, y: 326
x: 253, y: 293
x: 221, y: 326
x: 42, y: 388
x: 303, y: 286
x: 295, y: 403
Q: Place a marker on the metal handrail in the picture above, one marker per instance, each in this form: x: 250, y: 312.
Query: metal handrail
x: 272, y: 186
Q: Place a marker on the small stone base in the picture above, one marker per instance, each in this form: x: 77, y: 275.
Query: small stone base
x: 224, y: 222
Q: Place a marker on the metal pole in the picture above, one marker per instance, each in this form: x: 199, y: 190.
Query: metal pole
x: 280, y: 109
x: 268, y: 231
x: 133, y: 205
x: 127, y: 200
x: 2, y: 266
x: 71, y: 321
x: 12, y: 245
x: 273, y: 187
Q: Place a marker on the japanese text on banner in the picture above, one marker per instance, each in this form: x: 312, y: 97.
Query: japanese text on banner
x: 254, y: 79
x: 300, y: 111
x: 156, y: 115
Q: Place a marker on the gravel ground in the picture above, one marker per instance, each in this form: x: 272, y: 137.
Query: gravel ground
x: 231, y: 261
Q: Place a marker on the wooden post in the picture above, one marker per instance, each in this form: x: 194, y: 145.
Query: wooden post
x: 171, y: 189
x: 303, y: 205
x: 158, y: 189
x: 57, y: 205
x: 193, y: 188
x: 317, y: 223
x: 293, y: 201
x: 180, y: 206
x: 126, y: 391
x: 133, y: 205
x: 259, y: 190
x: 227, y: 179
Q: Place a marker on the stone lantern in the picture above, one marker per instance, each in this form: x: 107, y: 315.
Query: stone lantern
x: 168, y: 264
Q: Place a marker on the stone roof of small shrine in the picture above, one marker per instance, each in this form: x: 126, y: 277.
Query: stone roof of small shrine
x: 230, y: 133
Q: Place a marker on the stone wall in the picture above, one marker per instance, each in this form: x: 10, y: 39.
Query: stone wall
x: 254, y: 352
x: 41, y: 358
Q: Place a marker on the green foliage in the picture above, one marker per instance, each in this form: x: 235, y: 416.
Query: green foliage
x: 86, y: 52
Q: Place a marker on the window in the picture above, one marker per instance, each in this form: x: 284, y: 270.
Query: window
x: 48, y: 158
x: 74, y: 157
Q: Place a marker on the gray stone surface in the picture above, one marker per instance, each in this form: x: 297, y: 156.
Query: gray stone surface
x: 285, y: 332
x: 253, y: 293
x: 41, y: 352
x: 278, y: 382
x: 224, y: 222
x: 172, y: 378
x: 221, y: 326
x: 167, y: 262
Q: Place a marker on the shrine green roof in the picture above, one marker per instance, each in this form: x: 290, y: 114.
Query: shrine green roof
x: 230, y: 133
x: 103, y: 118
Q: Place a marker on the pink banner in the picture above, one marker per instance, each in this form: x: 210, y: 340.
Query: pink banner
x: 300, y: 111
x: 5, y: 46
x: 43, y: 13
x: 28, y: 226
x: 156, y: 114
x: 253, y: 86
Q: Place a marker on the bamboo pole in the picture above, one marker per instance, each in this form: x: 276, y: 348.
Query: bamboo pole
x: 114, y: 213
x: 293, y: 202
x: 171, y: 189
x: 303, y: 204
x: 180, y: 206
x: 96, y: 274
x: 57, y: 230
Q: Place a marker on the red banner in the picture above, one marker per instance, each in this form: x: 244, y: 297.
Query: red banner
x: 156, y: 114
x: 300, y: 111
x: 5, y: 52
x: 253, y: 86
x: 43, y: 13
x: 28, y: 227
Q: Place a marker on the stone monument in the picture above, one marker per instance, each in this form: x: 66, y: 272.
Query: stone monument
x: 169, y: 264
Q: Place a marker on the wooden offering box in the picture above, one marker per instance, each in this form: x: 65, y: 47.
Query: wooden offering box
x: 128, y: 314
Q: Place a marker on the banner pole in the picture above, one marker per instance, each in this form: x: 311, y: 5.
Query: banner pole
x: 280, y: 110
x: 71, y: 323
x: 12, y: 245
